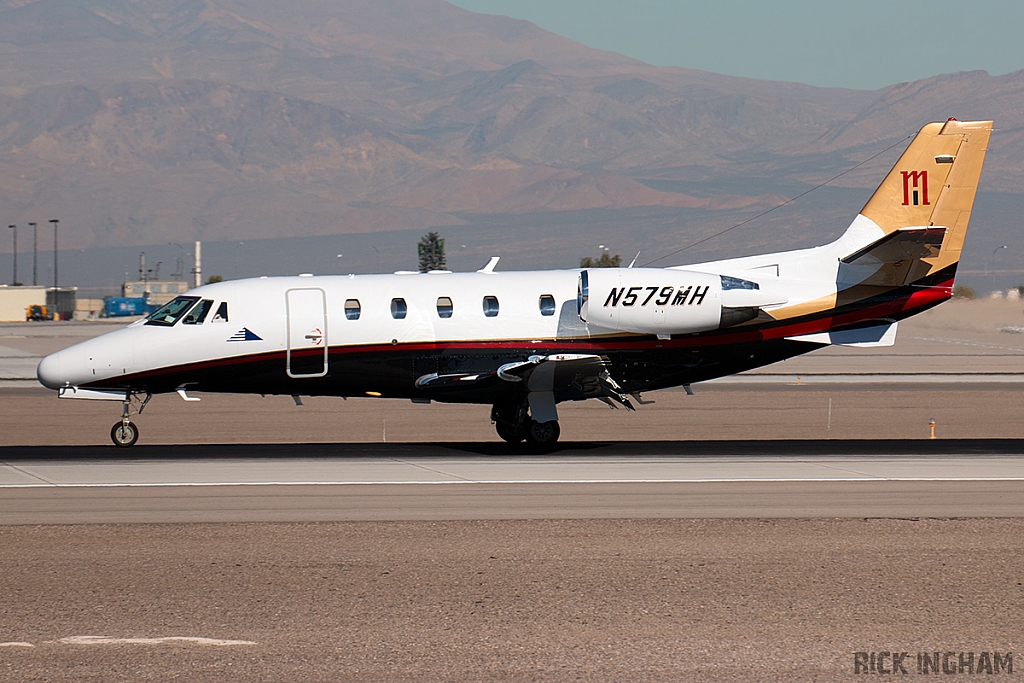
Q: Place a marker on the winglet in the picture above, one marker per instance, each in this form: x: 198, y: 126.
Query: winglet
x: 489, y: 268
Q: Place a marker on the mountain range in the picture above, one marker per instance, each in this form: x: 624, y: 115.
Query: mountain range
x: 141, y: 122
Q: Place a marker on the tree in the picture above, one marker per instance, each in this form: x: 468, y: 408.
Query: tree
x: 603, y: 261
x: 214, y: 278
x: 963, y: 292
x: 431, y: 252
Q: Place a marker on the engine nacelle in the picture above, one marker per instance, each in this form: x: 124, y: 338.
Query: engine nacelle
x: 650, y: 300
x: 663, y: 301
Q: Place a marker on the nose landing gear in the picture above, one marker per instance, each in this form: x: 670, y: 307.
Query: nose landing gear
x: 125, y: 433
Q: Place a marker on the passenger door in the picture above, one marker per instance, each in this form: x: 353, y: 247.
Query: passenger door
x: 307, y: 332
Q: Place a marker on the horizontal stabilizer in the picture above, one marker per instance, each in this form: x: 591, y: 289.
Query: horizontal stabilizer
x: 877, y: 335
x: 905, y: 243
x: 897, y: 259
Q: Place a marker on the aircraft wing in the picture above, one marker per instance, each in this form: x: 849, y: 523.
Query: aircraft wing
x: 545, y: 380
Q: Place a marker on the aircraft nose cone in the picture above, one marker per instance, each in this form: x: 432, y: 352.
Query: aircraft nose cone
x: 48, y: 372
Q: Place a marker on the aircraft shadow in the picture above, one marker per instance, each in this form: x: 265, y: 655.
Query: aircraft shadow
x: 609, y: 449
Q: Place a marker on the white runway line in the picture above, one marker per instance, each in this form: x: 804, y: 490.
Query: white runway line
x: 484, y: 471
x: 16, y: 644
x: 463, y: 482
x: 192, y: 640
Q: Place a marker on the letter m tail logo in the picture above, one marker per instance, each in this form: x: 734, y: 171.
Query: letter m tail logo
x: 915, y: 188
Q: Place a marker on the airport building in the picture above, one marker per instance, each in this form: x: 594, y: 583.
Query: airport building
x: 15, y: 301
x: 61, y: 302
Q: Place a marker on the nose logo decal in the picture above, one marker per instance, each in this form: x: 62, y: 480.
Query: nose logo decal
x: 244, y: 334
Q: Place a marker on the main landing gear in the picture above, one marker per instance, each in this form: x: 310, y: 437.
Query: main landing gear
x: 125, y: 433
x: 513, y: 424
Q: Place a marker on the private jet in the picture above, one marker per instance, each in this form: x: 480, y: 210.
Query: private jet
x: 523, y: 342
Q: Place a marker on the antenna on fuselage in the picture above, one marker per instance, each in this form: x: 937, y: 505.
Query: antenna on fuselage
x: 489, y: 268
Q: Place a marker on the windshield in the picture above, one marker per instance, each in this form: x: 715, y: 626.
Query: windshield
x: 198, y: 314
x: 171, y: 312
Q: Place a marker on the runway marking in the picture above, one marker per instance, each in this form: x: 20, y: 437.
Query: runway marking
x: 411, y: 463
x: 843, y: 469
x: 462, y: 482
x: 107, y: 640
x: 964, y: 342
x: 16, y: 644
x: 27, y: 473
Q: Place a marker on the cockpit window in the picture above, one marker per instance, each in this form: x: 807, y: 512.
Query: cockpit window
x: 221, y: 316
x: 198, y: 314
x: 171, y: 312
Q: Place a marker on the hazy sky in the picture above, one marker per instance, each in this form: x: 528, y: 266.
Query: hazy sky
x: 853, y: 44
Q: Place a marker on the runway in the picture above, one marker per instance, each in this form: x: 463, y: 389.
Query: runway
x: 749, y: 532
x: 341, y: 482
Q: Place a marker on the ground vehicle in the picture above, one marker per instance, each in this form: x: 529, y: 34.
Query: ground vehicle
x: 37, y: 312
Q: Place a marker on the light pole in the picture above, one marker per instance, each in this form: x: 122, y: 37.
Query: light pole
x: 992, y: 265
x: 35, y: 249
x: 180, y: 270
x: 55, y: 221
x: 15, y: 254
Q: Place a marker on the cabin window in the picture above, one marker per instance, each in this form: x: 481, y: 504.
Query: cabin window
x: 547, y: 304
x: 172, y: 311
x: 444, y: 307
x: 198, y: 314
x: 398, y: 309
x: 352, y: 309
x: 221, y: 316
x: 491, y: 306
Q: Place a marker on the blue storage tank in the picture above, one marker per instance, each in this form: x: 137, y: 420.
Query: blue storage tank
x: 118, y: 306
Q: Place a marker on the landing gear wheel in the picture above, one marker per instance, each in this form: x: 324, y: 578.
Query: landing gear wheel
x: 124, y: 434
x: 510, y: 433
x: 543, y: 433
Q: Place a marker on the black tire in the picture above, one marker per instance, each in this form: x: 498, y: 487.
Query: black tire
x: 543, y: 434
x: 124, y: 434
x: 510, y: 433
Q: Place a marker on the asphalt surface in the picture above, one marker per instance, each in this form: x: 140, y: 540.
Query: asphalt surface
x: 529, y: 600
x: 298, y: 483
x: 766, y: 529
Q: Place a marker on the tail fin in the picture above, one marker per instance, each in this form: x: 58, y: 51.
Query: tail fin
x: 933, y: 184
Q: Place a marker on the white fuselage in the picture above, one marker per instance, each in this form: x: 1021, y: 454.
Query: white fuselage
x: 260, y: 305
x: 289, y: 314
